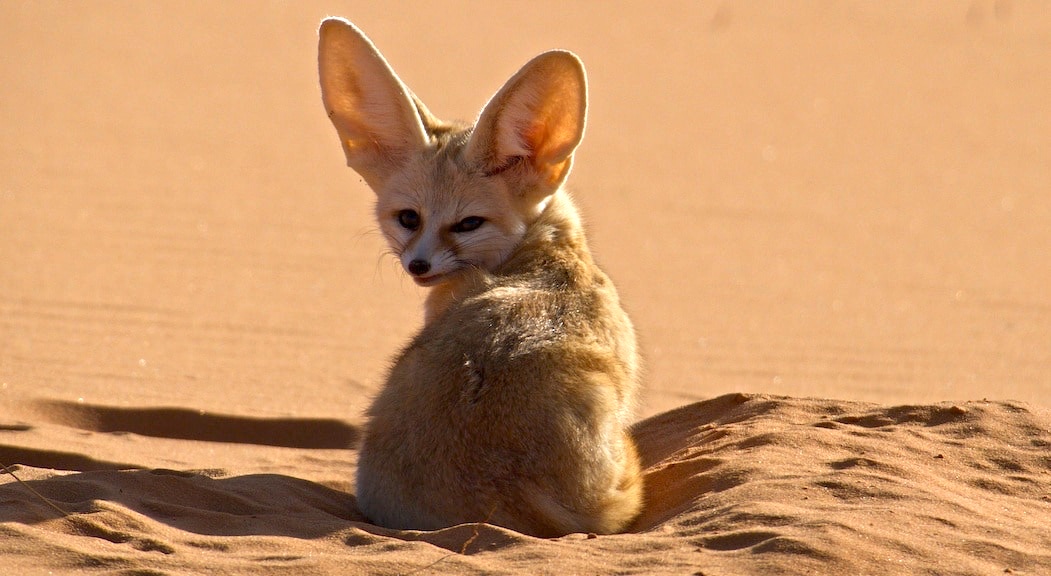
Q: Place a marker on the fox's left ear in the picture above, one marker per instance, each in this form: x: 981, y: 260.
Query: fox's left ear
x: 531, y: 127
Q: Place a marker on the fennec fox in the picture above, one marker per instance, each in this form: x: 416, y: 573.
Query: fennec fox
x: 511, y: 404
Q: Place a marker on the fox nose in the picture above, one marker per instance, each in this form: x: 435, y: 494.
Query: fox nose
x: 419, y: 267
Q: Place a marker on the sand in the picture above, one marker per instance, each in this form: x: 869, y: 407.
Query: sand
x: 829, y: 221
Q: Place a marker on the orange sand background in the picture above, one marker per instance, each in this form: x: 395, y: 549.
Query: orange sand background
x: 838, y: 202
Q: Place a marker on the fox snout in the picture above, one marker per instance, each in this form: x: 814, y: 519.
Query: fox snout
x: 421, y: 270
x: 424, y: 259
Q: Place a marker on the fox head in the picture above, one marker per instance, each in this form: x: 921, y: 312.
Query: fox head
x: 452, y: 197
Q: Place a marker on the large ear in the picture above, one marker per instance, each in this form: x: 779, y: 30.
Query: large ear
x: 377, y: 118
x: 534, y: 122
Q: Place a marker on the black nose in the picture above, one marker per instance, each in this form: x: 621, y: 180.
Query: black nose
x: 419, y: 267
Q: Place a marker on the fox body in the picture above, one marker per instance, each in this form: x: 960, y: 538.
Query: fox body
x: 511, y: 405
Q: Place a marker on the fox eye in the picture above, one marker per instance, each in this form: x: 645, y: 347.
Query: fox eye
x: 468, y: 224
x: 409, y: 219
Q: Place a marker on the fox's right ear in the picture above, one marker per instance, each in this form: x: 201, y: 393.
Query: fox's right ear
x: 377, y: 118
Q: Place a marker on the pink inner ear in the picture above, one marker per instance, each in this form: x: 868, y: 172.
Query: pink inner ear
x: 532, y: 136
x: 551, y: 134
x: 549, y: 144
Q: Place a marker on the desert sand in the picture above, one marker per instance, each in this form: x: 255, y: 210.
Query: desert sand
x: 830, y: 222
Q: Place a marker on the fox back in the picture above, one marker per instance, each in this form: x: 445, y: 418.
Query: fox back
x: 512, y: 404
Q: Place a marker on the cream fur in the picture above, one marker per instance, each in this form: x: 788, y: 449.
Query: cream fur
x: 511, y: 405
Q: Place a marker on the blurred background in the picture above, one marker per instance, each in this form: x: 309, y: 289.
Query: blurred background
x: 834, y: 199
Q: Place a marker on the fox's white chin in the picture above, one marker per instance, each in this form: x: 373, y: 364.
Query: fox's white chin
x: 431, y: 280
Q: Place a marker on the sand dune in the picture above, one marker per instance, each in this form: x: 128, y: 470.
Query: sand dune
x: 738, y: 484
x: 829, y: 221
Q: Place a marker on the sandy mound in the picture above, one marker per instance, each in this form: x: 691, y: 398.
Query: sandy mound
x: 736, y: 485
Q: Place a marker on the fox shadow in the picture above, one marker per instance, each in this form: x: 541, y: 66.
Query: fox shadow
x: 201, y: 502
